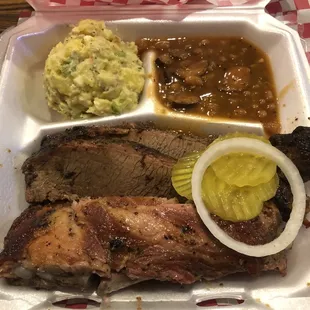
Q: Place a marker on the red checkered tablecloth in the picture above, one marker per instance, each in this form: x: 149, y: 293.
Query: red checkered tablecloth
x: 294, y: 13
x: 275, y: 6
x: 77, y: 303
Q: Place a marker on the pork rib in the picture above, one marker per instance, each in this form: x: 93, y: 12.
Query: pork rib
x: 142, y: 238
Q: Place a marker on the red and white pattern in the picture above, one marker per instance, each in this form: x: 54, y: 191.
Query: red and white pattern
x: 75, y: 3
x: 274, y: 7
x: 294, y: 13
x: 78, y: 303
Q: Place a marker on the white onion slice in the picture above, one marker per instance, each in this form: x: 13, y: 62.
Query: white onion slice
x: 257, y: 147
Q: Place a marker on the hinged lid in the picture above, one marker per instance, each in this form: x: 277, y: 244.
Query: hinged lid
x: 49, y: 5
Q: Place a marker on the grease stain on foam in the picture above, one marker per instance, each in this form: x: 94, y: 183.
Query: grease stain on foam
x: 159, y: 107
x: 283, y: 92
x: 266, y: 305
x: 8, y: 150
x: 139, y: 303
x: 1, y: 165
x: 308, y: 284
x: 105, y: 304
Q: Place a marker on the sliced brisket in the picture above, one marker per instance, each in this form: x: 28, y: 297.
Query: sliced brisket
x: 171, y: 143
x: 94, y: 168
x: 130, y: 160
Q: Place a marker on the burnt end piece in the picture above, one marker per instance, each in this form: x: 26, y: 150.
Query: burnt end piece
x: 296, y: 146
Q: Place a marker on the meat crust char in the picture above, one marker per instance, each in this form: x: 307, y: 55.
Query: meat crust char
x: 168, y: 142
x: 143, y: 238
x: 296, y: 146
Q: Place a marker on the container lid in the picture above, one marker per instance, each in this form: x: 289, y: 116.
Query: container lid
x: 49, y: 5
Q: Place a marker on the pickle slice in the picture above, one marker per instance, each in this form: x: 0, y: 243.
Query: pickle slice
x: 242, y: 169
x: 237, y: 169
x: 234, y: 203
x: 182, y: 174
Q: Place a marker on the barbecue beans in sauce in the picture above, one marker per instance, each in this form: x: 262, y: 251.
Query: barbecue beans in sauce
x: 215, y: 77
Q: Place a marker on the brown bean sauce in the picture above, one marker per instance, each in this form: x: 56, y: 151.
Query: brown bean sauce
x: 215, y: 77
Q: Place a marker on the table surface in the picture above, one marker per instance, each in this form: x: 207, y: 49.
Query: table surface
x: 9, y: 12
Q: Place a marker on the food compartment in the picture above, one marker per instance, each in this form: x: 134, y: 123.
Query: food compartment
x: 286, y: 71
x: 27, y: 61
x: 31, y: 49
x: 256, y: 291
x: 216, y: 77
x: 23, y: 129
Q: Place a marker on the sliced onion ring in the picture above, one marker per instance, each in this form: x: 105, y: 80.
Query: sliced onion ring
x: 257, y: 147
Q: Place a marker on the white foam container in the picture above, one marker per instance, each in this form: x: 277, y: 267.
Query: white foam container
x: 25, y: 118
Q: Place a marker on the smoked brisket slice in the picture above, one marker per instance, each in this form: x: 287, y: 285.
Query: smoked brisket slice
x: 95, y: 168
x: 84, y: 170
x: 142, y: 238
x: 171, y: 143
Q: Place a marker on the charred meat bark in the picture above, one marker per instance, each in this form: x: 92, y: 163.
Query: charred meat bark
x: 143, y: 238
x: 259, y: 230
x: 171, y: 143
x: 296, y: 146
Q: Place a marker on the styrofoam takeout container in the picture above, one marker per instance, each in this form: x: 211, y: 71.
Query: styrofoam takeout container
x: 25, y: 118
